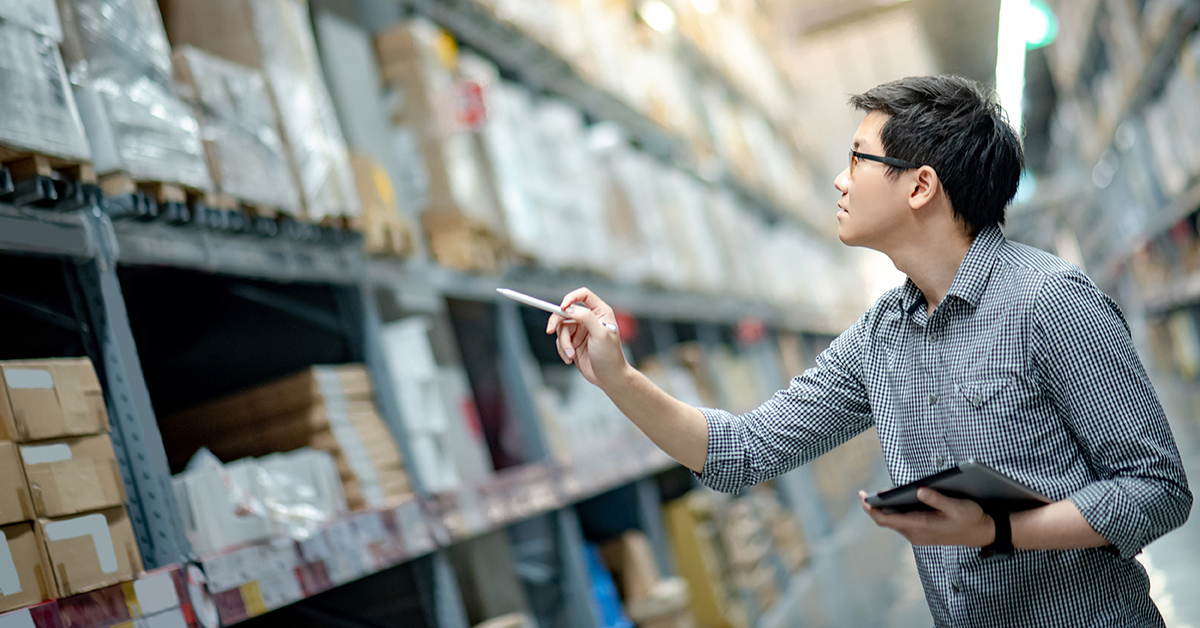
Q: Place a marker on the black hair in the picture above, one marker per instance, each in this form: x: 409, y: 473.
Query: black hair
x: 957, y: 127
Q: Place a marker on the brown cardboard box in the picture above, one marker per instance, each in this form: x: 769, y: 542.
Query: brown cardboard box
x: 631, y: 562
x: 15, y: 504
x: 42, y: 399
x: 25, y: 575
x: 91, y: 551
x: 73, y: 475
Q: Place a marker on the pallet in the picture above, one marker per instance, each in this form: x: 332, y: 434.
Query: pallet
x: 35, y: 179
x: 148, y: 200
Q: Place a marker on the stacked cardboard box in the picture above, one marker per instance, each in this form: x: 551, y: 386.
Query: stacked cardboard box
x: 275, y: 36
x: 39, y: 109
x: 747, y: 541
x: 651, y: 601
x: 701, y: 560
x: 329, y: 408
x: 435, y: 116
x: 64, y: 529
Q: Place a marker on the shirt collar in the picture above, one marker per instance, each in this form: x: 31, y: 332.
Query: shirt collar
x: 973, y: 273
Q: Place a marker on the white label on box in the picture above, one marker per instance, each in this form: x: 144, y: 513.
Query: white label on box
x: 45, y: 454
x: 156, y: 593
x: 17, y: 619
x: 28, y: 378
x: 95, y: 526
x: 10, y: 580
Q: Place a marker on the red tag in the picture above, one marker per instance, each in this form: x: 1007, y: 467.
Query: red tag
x: 751, y: 330
x: 627, y: 326
x: 470, y: 107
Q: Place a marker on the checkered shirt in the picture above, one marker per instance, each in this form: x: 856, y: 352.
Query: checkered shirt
x: 1025, y: 366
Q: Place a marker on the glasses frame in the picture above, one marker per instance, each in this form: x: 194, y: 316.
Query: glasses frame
x: 890, y: 161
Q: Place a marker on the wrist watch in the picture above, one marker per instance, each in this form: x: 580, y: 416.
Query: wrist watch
x: 1002, y: 546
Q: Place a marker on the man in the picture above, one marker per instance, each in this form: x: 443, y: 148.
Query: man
x: 991, y: 351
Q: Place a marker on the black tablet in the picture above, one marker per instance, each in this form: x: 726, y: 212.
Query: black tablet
x: 970, y: 480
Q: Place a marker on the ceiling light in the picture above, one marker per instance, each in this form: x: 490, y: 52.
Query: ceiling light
x: 657, y: 15
x: 1010, y: 58
x: 706, y: 7
x: 1041, y: 25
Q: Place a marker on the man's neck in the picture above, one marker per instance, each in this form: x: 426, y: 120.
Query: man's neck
x: 932, y: 262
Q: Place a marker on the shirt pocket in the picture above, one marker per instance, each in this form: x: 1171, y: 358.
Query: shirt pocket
x: 980, y: 394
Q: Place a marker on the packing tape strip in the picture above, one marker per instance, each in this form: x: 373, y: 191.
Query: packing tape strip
x: 95, y: 526
x: 10, y: 580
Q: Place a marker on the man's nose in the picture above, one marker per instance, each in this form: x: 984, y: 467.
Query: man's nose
x: 842, y: 181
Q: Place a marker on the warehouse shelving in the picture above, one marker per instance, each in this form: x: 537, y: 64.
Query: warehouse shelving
x: 1158, y: 57
x: 543, y: 70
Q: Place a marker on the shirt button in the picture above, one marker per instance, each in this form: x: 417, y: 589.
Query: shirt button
x: 977, y: 399
x: 956, y: 585
x: 932, y: 337
x: 939, y: 461
x: 933, y: 400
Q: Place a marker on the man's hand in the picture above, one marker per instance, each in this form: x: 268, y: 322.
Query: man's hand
x: 951, y: 522
x: 585, y: 341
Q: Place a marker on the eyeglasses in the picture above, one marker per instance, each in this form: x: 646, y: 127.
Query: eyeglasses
x: 891, y: 161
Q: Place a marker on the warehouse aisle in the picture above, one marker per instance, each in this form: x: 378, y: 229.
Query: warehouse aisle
x: 1171, y: 561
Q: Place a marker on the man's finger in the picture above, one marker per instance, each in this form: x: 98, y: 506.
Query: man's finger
x: 934, y: 499
x: 565, y: 346
x: 588, y: 319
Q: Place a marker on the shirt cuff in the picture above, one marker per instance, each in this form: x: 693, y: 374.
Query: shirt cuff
x: 1112, y: 515
x: 724, y: 463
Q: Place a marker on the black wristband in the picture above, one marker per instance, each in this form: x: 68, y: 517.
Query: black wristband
x: 1002, y: 545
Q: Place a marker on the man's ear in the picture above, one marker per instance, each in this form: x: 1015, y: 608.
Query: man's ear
x: 925, y: 187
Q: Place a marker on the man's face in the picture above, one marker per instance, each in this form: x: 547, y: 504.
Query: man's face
x: 872, y: 204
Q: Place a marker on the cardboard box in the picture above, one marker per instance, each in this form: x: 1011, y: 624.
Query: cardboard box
x: 15, y: 504
x: 73, y: 475
x: 91, y: 551
x: 25, y: 574
x: 44, y: 399
x: 631, y: 562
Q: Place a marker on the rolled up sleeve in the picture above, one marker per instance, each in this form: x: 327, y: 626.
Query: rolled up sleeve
x: 821, y: 409
x: 1085, y: 357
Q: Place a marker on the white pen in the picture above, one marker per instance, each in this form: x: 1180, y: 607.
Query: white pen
x: 542, y: 305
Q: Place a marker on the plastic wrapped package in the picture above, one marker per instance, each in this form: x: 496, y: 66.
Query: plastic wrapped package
x: 638, y: 175
x: 120, y: 40
x: 415, y: 376
x: 250, y: 500
x: 143, y: 130
x: 442, y: 154
x: 275, y: 36
x: 290, y: 63
x: 686, y: 201
x: 738, y: 237
x: 238, y: 125
x: 120, y: 64
x: 39, y: 16
x: 573, y: 233
x: 39, y: 108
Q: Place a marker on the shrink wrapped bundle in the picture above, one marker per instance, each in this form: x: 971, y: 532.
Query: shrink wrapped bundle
x: 246, y: 156
x: 39, y: 109
x: 119, y: 61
